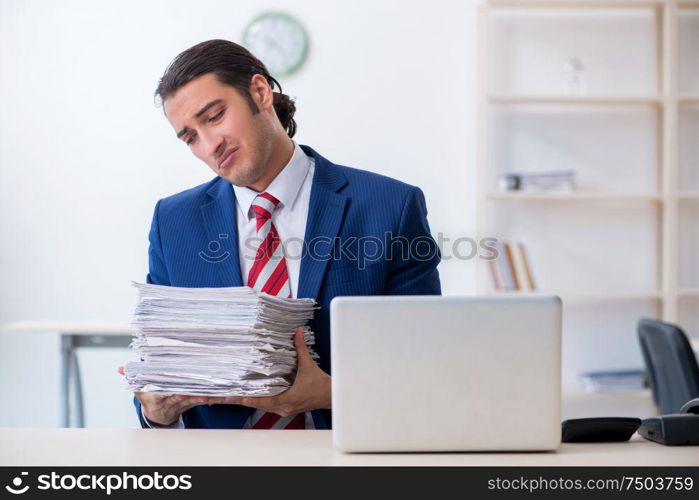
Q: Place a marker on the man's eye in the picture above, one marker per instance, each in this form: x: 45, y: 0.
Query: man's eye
x: 216, y: 116
x: 189, y: 141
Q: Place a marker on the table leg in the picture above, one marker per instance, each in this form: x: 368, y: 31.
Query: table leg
x: 64, y: 388
x: 77, y: 390
x: 70, y: 384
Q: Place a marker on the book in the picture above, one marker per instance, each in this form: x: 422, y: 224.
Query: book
x: 494, y: 274
x: 504, y: 268
x: 520, y: 268
x: 511, y: 269
x: 511, y: 264
x: 526, y: 266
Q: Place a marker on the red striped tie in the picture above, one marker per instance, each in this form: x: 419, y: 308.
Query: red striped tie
x: 269, y: 274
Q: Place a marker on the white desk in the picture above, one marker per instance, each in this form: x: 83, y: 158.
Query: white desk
x: 157, y: 447
x: 74, y: 334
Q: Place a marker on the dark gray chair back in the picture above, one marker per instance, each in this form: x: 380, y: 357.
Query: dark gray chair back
x: 670, y: 363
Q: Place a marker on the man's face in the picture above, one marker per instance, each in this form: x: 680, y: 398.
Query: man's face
x: 217, y: 124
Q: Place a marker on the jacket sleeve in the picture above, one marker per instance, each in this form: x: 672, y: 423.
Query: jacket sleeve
x: 157, y: 275
x: 157, y: 270
x: 413, y: 268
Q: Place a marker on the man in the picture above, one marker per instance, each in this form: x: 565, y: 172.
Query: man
x: 356, y: 233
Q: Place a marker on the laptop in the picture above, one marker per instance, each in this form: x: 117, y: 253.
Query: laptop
x: 432, y: 373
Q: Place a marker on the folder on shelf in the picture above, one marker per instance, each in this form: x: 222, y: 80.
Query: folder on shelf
x: 562, y: 181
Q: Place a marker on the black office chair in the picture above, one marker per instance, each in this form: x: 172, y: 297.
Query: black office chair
x: 670, y: 363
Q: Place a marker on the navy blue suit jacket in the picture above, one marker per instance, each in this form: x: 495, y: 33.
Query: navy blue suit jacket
x: 366, y: 234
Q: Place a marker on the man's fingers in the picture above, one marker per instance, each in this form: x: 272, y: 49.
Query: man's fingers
x: 198, y: 400
x: 148, y: 399
x: 301, y: 349
x: 253, y: 402
x: 214, y: 400
x: 263, y: 403
x: 233, y: 400
x: 186, y: 404
x: 192, y: 401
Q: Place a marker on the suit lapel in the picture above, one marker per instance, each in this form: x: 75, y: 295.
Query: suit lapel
x: 219, y: 216
x: 325, y: 213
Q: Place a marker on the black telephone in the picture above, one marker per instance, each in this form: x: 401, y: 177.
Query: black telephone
x: 598, y: 430
x: 675, y: 429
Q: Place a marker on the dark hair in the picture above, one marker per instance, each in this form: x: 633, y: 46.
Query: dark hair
x: 233, y: 65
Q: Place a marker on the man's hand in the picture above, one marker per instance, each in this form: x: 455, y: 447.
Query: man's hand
x: 311, y: 389
x: 166, y: 410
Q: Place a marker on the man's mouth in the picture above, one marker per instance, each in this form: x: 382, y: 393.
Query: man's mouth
x: 225, y: 160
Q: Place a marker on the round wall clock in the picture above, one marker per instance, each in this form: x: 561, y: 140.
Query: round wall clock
x: 278, y: 40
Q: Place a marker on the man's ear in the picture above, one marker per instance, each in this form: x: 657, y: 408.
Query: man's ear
x: 261, y: 92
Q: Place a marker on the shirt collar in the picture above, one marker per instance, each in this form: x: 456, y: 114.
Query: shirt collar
x: 285, y: 187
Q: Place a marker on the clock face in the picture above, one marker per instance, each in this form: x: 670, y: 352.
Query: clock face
x: 278, y: 40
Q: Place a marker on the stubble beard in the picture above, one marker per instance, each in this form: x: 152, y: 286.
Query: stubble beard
x: 259, y: 161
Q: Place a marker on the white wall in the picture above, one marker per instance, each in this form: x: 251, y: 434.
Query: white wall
x: 389, y: 86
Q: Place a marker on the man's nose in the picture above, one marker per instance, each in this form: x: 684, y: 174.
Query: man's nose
x: 214, y: 146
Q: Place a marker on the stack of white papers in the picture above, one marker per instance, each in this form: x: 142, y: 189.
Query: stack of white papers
x: 215, y: 341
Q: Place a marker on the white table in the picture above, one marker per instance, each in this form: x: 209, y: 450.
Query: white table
x: 151, y: 447
x: 73, y: 335
x: 158, y: 447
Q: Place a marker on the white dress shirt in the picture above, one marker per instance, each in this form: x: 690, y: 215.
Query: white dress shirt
x: 292, y: 187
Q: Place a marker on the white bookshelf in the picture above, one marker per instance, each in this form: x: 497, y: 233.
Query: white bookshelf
x: 656, y: 88
x: 687, y: 86
x: 594, y: 295
x: 609, y: 100
x: 579, y: 4
x: 575, y: 196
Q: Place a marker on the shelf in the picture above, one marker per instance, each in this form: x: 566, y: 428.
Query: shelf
x: 603, y: 100
x: 567, y: 4
x: 575, y: 196
x: 635, y: 102
x: 574, y: 295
